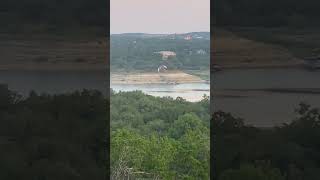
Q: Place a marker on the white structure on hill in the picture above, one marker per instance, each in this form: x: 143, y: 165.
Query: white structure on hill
x: 188, y: 37
x: 167, y: 54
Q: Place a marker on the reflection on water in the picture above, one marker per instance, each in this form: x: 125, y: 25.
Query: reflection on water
x: 189, y: 91
x: 266, y: 78
x: 265, y: 97
x: 53, y: 82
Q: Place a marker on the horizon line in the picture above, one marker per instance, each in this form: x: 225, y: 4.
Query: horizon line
x: 159, y: 33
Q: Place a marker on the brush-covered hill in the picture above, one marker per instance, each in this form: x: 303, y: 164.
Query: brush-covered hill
x: 138, y: 51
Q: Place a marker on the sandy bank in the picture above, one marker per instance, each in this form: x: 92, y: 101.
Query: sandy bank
x: 171, y: 77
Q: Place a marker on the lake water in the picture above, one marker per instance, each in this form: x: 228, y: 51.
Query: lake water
x: 56, y: 82
x: 53, y: 82
x: 263, y: 97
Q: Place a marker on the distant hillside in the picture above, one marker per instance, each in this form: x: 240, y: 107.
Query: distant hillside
x: 266, y: 13
x: 53, y: 15
x: 139, y: 51
x: 265, y: 32
x: 233, y: 50
x: 195, y: 35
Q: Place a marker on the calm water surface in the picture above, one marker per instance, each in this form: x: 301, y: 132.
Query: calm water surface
x: 53, y: 82
x: 56, y: 82
x: 265, y: 108
x: 243, y: 92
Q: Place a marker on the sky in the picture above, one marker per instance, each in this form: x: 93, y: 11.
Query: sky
x: 159, y: 16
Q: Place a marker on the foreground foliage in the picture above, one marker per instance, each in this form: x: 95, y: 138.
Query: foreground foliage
x: 53, y: 136
x: 64, y: 137
x: 290, y: 151
x: 161, y: 138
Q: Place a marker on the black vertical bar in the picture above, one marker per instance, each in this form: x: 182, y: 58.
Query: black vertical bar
x: 108, y: 92
x: 212, y: 133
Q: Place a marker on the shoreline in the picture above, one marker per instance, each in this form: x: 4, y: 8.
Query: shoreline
x: 103, y: 67
x: 262, y: 66
x: 171, y: 77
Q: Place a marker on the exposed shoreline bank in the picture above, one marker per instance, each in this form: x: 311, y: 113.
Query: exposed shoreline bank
x: 262, y: 66
x: 171, y: 77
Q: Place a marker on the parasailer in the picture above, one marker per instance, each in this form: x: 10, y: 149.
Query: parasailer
x: 162, y: 68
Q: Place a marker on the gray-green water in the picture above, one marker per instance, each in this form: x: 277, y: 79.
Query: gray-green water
x: 263, y: 97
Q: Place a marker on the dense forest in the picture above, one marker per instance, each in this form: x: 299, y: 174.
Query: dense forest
x: 162, y: 138
x: 136, y: 52
x: 169, y: 139
x: 65, y: 137
x: 287, y: 152
x: 53, y: 137
x: 266, y: 13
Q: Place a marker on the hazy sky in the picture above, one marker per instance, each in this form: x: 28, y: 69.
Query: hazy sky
x: 159, y: 16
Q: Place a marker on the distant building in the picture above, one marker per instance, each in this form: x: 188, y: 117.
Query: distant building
x: 167, y: 54
x: 188, y: 37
